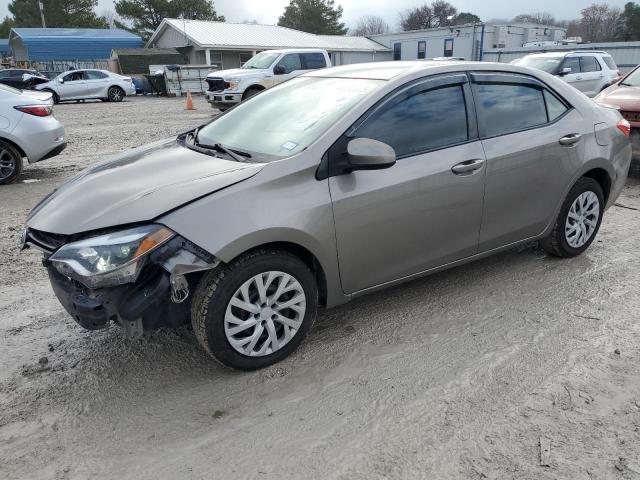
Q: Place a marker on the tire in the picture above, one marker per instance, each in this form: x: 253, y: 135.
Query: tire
x: 115, y: 94
x: 10, y: 163
x: 211, y: 309
x: 250, y: 93
x: 565, y: 240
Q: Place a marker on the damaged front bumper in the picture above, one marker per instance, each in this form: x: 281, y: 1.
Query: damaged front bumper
x: 156, y: 299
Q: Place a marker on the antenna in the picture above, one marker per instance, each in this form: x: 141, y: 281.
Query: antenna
x: 41, y: 13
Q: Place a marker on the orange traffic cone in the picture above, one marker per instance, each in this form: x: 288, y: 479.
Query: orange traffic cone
x: 189, y: 101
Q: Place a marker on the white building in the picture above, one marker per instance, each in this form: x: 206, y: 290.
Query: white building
x: 466, y: 41
x: 229, y: 45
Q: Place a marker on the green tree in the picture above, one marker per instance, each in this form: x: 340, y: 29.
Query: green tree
x: 57, y: 13
x: 465, y: 17
x: 146, y: 15
x: 630, y: 23
x: 313, y: 16
x: 5, y: 27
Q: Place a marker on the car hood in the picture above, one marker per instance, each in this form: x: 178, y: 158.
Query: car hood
x: 238, y: 73
x: 627, y: 98
x: 136, y: 187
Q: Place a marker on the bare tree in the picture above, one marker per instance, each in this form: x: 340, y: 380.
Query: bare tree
x: 540, y: 18
x: 370, y: 25
x: 599, y: 23
x: 110, y: 17
x: 438, y: 14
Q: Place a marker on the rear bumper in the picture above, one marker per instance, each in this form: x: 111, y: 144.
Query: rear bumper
x: 42, y: 138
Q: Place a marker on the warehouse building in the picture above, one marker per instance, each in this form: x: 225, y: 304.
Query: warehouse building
x: 230, y: 45
x: 68, y: 44
x: 466, y: 41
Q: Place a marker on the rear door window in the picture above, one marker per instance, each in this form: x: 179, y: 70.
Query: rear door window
x: 555, y: 108
x: 508, y: 108
x: 95, y: 75
x: 610, y: 62
x: 313, y: 61
x: 589, y: 64
x: 420, y: 122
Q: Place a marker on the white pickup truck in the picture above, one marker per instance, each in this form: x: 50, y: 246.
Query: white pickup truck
x: 265, y: 70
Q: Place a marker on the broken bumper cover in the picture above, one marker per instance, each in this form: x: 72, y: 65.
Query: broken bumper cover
x: 138, y: 307
x: 222, y: 99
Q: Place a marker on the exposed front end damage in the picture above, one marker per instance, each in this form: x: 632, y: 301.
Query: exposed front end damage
x: 158, y: 297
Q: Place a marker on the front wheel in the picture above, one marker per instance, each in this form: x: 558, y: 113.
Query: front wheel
x: 578, y: 221
x: 10, y: 163
x: 255, y: 311
x: 115, y: 94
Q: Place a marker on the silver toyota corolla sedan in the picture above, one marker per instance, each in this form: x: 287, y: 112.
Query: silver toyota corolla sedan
x: 89, y: 84
x: 330, y: 186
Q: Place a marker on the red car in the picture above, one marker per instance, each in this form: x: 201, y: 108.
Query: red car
x: 625, y: 94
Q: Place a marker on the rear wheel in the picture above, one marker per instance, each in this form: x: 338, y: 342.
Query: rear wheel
x: 10, y: 163
x: 115, y: 94
x: 578, y: 221
x: 255, y: 311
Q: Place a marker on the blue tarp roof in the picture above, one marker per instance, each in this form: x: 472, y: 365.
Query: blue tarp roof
x: 4, y: 46
x: 74, y: 43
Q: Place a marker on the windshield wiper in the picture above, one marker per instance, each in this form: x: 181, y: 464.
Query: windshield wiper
x: 237, y: 156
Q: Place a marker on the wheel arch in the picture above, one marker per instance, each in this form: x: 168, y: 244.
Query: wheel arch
x: 15, y: 145
x: 304, y: 254
x: 603, y: 178
x: 255, y: 86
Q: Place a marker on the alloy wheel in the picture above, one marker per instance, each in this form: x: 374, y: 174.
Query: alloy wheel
x: 265, y: 313
x: 115, y: 94
x: 7, y: 164
x: 582, y: 219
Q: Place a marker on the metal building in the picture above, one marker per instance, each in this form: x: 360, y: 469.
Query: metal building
x: 229, y: 45
x: 70, y: 44
x: 466, y: 41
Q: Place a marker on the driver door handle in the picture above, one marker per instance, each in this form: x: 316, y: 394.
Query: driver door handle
x: 570, y: 139
x: 467, y: 166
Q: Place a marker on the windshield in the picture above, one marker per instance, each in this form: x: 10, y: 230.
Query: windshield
x: 261, y: 60
x: 633, y: 79
x: 286, y: 119
x: 546, y: 64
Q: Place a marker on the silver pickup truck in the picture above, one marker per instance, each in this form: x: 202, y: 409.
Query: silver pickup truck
x: 265, y: 70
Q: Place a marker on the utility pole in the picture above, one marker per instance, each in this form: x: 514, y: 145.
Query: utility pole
x: 41, y: 13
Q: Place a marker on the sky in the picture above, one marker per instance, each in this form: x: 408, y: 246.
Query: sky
x: 268, y: 11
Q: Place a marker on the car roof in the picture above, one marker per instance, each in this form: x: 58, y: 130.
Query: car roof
x: 294, y: 50
x: 397, y: 69
x: 564, y: 54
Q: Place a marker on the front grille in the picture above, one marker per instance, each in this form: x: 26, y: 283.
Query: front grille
x: 631, y: 116
x: 217, y: 84
x: 47, y: 242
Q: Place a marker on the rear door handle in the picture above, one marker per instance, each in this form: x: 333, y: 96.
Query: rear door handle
x: 467, y: 166
x: 570, y: 139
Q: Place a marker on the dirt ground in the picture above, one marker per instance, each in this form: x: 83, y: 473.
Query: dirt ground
x: 463, y: 374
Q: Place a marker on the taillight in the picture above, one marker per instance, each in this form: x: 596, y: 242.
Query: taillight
x: 37, y: 110
x: 624, y: 127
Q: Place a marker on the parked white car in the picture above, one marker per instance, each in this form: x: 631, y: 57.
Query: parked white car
x: 264, y: 70
x: 27, y: 129
x: 89, y: 84
x: 588, y: 71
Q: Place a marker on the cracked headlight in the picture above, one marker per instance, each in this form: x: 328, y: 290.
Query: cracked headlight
x: 233, y: 83
x: 111, y: 259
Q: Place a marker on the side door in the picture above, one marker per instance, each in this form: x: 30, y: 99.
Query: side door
x: 287, y: 67
x: 592, y: 75
x: 574, y: 78
x: 96, y: 82
x: 532, y: 141
x: 425, y: 210
x: 73, y: 86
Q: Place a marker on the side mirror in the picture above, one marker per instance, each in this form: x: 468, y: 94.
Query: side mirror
x: 369, y: 154
x: 565, y: 71
x: 278, y: 70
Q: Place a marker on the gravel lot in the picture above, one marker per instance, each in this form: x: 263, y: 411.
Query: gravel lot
x: 459, y: 375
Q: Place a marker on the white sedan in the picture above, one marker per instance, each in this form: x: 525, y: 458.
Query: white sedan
x: 89, y: 84
x: 28, y: 130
